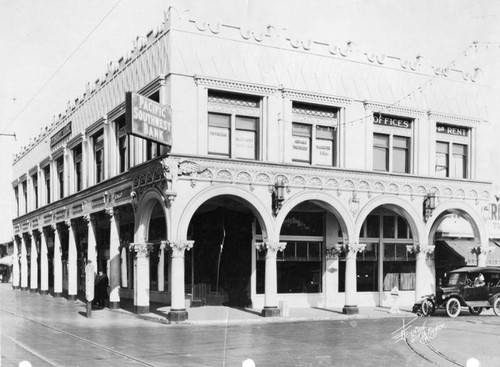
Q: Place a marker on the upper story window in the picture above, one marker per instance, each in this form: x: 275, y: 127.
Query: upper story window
x: 314, y: 134
x: 16, y: 193
x: 46, y: 175
x: 77, y: 160
x: 392, y: 144
x: 234, y: 125
x: 34, y: 180
x: 452, y: 147
x: 60, y: 176
x: 99, y: 156
x: 24, y: 186
x: 123, y: 144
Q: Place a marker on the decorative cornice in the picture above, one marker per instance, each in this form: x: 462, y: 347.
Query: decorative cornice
x: 394, y: 109
x: 236, y: 86
x: 454, y: 119
x: 316, y: 98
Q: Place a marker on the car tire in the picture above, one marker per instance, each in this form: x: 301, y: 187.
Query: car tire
x: 453, y: 307
x: 496, y: 306
x: 476, y: 311
x: 427, y: 307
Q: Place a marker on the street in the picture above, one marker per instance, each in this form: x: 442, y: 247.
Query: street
x: 55, y: 332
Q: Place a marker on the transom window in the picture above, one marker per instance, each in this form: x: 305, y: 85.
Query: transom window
x: 314, y: 131
x: 233, y: 125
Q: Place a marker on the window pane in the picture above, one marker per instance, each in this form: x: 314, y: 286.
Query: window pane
x: 219, y: 120
x: 459, y: 149
x: 301, y: 129
x: 441, y: 147
x: 400, y: 142
x: 246, y: 123
x: 218, y: 140
x: 372, y: 223
x: 301, y: 149
x: 245, y: 144
x: 380, y: 159
x: 400, y: 160
x: 389, y: 229
x: 325, y: 132
x: 402, y: 228
x: 324, y: 152
x: 460, y: 160
x: 381, y: 140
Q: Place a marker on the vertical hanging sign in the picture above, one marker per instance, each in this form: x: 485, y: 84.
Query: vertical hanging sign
x: 148, y: 119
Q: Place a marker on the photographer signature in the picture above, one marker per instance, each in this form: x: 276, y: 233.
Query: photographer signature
x: 412, y: 333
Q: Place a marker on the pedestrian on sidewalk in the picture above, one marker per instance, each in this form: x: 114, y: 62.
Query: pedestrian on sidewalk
x: 395, y: 299
x: 101, y: 289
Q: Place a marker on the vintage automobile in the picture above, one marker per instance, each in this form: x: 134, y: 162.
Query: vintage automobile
x: 477, y: 288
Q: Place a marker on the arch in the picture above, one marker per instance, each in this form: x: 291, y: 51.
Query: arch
x: 463, y: 209
x: 261, y: 212
x: 327, y: 202
x: 400, y: 206
x: 144, y: 211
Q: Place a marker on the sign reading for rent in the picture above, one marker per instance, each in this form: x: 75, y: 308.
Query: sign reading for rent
x: 148, y: 119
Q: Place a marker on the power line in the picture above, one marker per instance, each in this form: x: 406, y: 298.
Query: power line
x: 62, y: 65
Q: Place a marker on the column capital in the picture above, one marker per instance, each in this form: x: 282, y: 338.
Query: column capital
x: 55, y: 227
x: 112, y: 213
x: 478, y: 250
x: 273, y: 246
x: 142, y: 249
x: 68, y: 223
x: 179, y: 245
x: 89, y: 218
x: 420, y: 249
x: 352, y: 248
x: 26, y: 234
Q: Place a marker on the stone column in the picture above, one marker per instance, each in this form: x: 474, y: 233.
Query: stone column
x: 161, y: 267
x: 351, y: 251
x: 16, y: 281
x: 91, y: 241
x: 24, y: 262
x: 57, y: 262
x: 114, y: 258
x: 271, y: 280
x: 422, y: 252
x: 124, y: 267
x: 141, y: 279
x: 44, y: 263
x: 72, y: 263
x: 34, y: 264
x: 178, y: 304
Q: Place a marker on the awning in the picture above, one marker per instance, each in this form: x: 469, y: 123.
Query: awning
x: 462, y: 248
x: 7, y: 260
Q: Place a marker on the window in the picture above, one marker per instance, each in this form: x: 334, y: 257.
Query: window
x: 452, y: 151
x: 392, y: 144
x: 77, y: 159
x: 314, y: 131
x: 233, y: 125
x: 34, y: 180
x: 60, y: 176
x: 16, y: 193
x: 46, y: 175
x: 24, y: 186
x: 99, y: 156
x: 123, y: 143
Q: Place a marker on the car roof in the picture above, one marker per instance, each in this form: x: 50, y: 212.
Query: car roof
x: 477, y: 269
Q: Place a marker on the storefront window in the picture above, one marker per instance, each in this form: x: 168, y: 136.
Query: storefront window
x: 399, y: 267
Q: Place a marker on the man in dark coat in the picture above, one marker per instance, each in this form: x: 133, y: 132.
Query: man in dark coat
x: 101, y: 288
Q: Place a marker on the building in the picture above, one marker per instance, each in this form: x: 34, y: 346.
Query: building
x: 282, y: 170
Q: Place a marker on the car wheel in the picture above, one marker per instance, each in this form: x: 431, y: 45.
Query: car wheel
x: 496, y: 306
x: 476, y: 311
x: 453, y: 307
x: 427, y: 307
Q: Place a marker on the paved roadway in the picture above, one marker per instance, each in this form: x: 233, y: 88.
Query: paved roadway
x: 54, y: 332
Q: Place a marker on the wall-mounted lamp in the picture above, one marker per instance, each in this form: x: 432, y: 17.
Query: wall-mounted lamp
x: 278, y: 195
x: 429, y: 205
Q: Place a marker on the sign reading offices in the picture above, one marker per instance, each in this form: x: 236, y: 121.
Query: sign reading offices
x: 148, y: 119
x: 391, y: 121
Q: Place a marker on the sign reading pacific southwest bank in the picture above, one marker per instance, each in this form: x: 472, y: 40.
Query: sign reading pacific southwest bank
x: 148, y: 119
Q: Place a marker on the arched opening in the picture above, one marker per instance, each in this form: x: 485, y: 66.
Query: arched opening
x: 387, y: 260
x: 219, y: 266
x: 301, y: 267
x: 157, y: 232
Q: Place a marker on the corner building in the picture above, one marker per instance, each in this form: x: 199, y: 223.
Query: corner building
x: 299, y: 171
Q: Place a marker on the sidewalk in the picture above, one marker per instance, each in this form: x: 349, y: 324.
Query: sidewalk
x: 222, y: 315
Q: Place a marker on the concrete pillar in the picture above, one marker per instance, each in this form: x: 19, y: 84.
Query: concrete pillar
x: 271, y: 279
x: 34, y: 263
x: 16, y: 279
x: 114, y: 258
x: 24, y: 262
x: 422, y: 271
x: 57, y: 262
x: 124, y: 267
x: 350, y: 306
x: 72, y: 263
x: 178, y: 310
x: 44, y: 263
x: 91, y: 241
x: 161, y: 268
x: 141, y: 278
